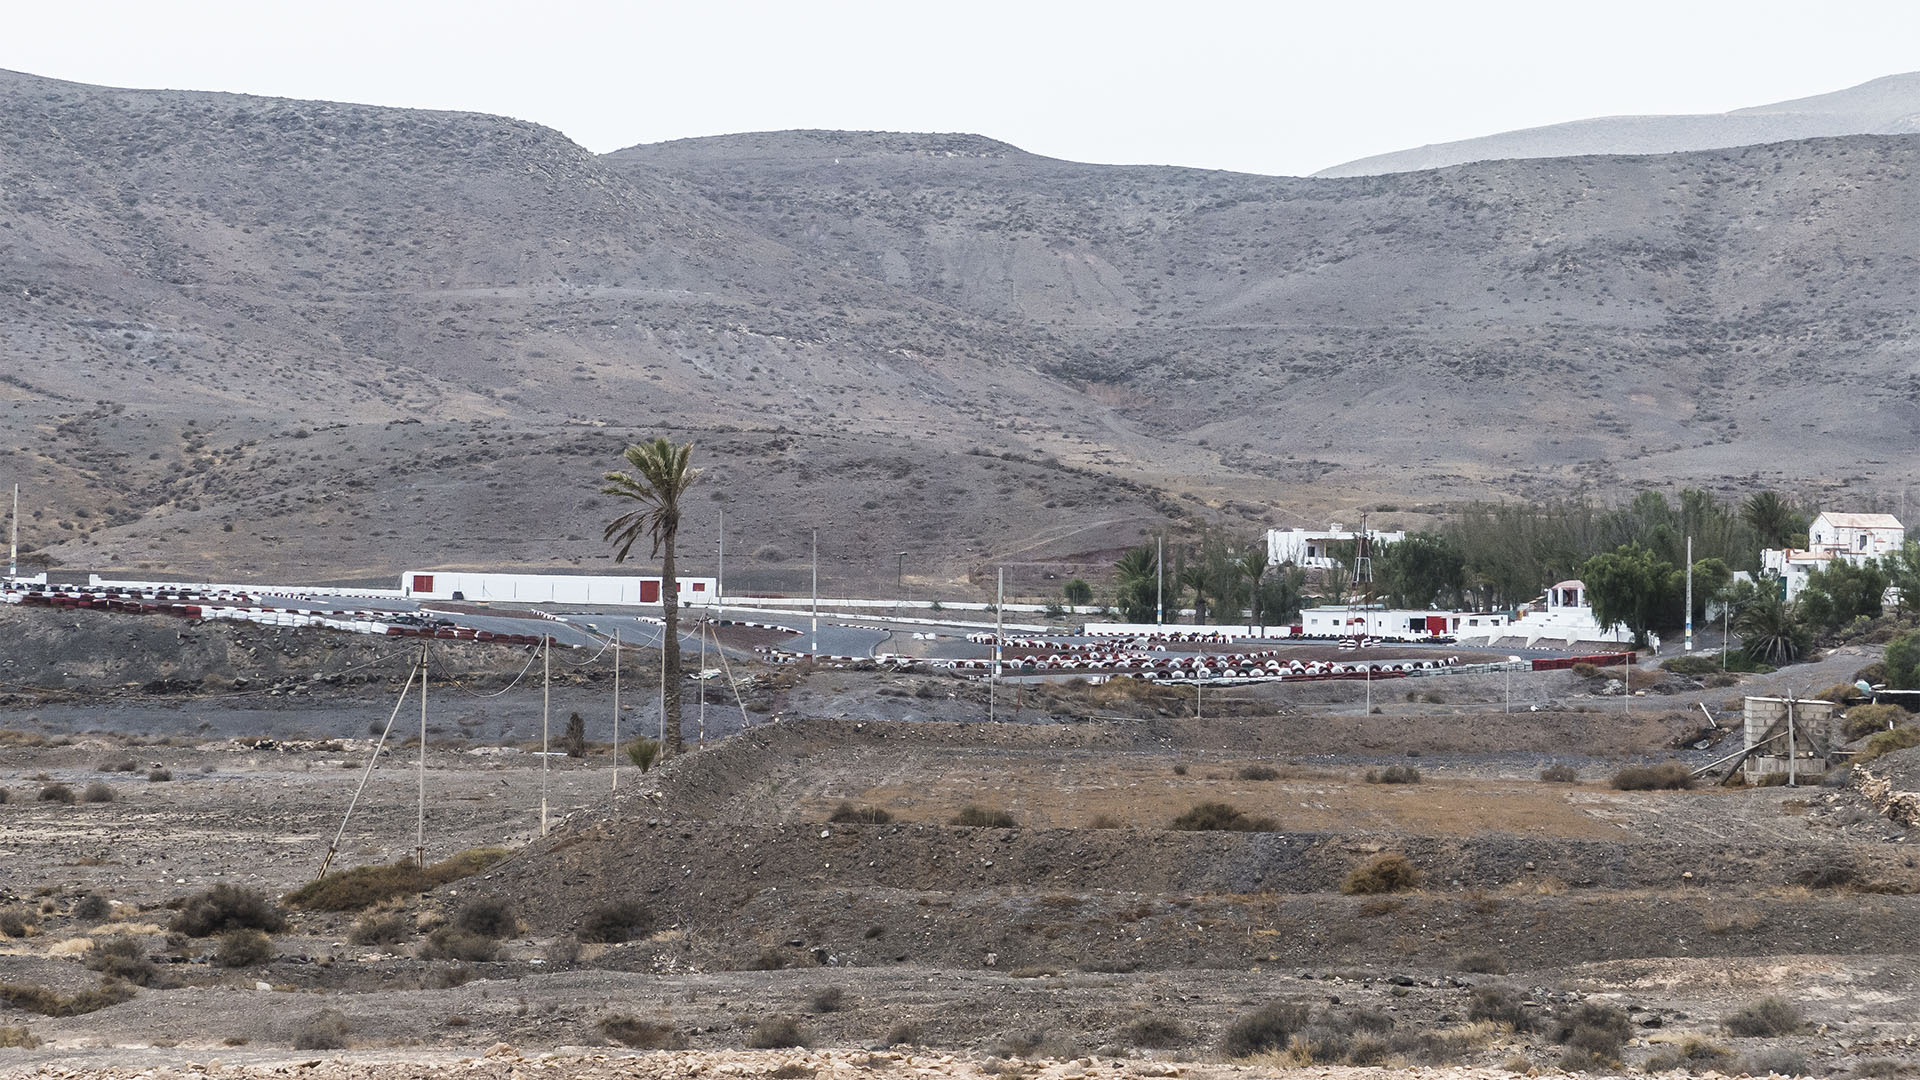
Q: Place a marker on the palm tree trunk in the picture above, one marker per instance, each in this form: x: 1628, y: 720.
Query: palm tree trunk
x: 670, y: 641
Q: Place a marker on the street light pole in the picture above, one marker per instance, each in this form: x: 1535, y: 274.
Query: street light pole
x: 900, y: 576
x: 1159, y: 582
x: 815, y: 647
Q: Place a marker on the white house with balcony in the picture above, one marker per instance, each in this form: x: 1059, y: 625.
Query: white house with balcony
x: 1563, y: 615
x: 1853, y: 538
x: 1313, y: 549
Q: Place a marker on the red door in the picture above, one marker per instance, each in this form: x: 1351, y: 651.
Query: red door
x: 649, y: 590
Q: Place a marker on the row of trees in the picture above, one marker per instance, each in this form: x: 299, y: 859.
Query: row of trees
x: 1222, y: 579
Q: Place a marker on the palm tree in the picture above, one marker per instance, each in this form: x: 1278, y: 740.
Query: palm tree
x: 1253, y: 567
x: 1196, y: 578
x: 660, y: 476
x: 1770, y: 628
x: 1772, y: 519
x: 1134, y: 579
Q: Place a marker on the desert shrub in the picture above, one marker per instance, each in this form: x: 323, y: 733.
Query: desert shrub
x: 1773, y: 1061
x: 365, y: 886
x: 1222, y: 817
x: 39, y: 999
x: 977, y: 817
x: 227, y: 907
x: 1594, y: 1034
x: 1269, y: 1027
x: 1887, y: 742
x: 488, y: 916
x: 159, y: 776
x: 60, y: 793
x: 1258, y: 772
x: 1386, y: 873
x: 97, y: 792
x: 1885, y: 1068
x: 1838, y: 872
x: 641, y: 1034
x: 777, y: 1033
x: 453, y: 943
x: 574, y: 741
x: 17, y: 1037
x: 1692, y: 665
x: 643, y: 752
x: 1499, y: 1005
x: 849, y: 814
x: 1838, y: 693
x: 1585, y: 671
x: 243, y: 948
x: 381, y: 928
x: 1666, y: 776
x: 768, y: 960
x: 1559, y: 774
x: 325, y: 1030
x: 1179, y: 770
x: 611, y: 924
x: 1154, y: 1033
x: 1106, y: 821
x: 91, y: 907
x: 905, y: 1033
x: 1481, y: 963
x: 1689, y: 1053
x: 1770, y: 1016
x: 123, y: 765
x: 1394, y: 774
x: 827, y: 999
x: 1874, y: 674
x: 121, y: 957
x: 1863, y: 720
x: 16, y: 922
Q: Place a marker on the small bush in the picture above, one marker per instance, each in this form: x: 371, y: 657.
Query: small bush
x: 487, y: 916
x: 1179, y: 770
x: 1559, y: 774
x: 243, y: 948
x: 1499, y: 1005
x: 611, y: 924
x: 1864, y: 720
x: 976, y: 817
x: 1481, y: 963
x: 777, y: 1033
x: 574, y: 741
x: 1885, y: 1068
x: 16, y: 922
x: 17, y: 1037
x: 1222, y: 817
x: 325, y: 1030
x: 827, y: 999
x: 1690, y: 1053
x: 1258, y: 772
x: 121, y: 957
x: 60, y: 793
x: 643, y: 752
x: 39, y: 999
x: 365, y: 886
x: 1594, y: 1034
x: 97, y: 792
x: 1838, y: 693
x: 905, y: 1033
x: 1666, y: 776
x: 1585, y: 671
x: 1774, y: 1061
x: 1383, y: 874
x: 1270, y: 1027
x: 1768, y: 1017
x: 91, y: 907
x: 1394, y: 774
x: 641, y: 1034
x: 849, y: 814
x: 159, y: 776
x: 227, y: 907
x: 1154, y: 1033
x: 1887, y: 742
x: 453, y: 943
x: 123, y: 765
x: 1692, y: 665
x: 381, y: 928
x: 1106, y: 821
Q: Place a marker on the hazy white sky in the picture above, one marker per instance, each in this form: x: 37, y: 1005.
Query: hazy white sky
x: 1278, y: 87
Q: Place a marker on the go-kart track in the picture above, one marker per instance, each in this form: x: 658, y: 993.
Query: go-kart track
x: 1177, y: 654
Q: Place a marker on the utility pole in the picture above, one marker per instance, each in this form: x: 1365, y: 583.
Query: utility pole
x: 720, y: 574
x: 546, y: 709
x: 1159, y: 582
x: 13, y: 546
x: 999, y: 631
x: 420, y: 825
x: 616, y: 710
x: 900, y: 576
x: 1689, y: 596
x: 815, y: 647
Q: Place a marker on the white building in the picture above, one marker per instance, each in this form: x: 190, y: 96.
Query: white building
x: 593, y: 589
x: 1564, y: 615
x: 1313, y: 549
x: 1398, y: 624
x: 1854, y: 538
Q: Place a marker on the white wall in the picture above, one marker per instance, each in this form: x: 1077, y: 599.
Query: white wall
x: 591, y: 589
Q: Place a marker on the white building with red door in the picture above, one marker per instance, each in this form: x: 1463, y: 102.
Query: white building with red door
x: 594, y: 589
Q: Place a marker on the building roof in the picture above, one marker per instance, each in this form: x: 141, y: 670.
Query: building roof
x: 1861, y: 521
x: 1572, y: 583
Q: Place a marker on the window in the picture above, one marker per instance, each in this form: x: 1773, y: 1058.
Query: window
x: 423, y: 583
x: 699, y: 586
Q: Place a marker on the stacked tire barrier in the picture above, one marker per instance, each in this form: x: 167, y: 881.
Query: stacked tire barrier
x: 239, y: 607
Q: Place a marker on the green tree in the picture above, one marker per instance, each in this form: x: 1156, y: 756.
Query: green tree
x: 1630, y: 587
x: 1196, y: 578
x: 1903, y: 661
x: 1077, y: 592
x: 1421, y: 570
x: 661, y: 475
x: 1253, y: 569
x: 1281, y: 593
x: 1840, y: 592
x: 1769, y: 627
x: 1134, y: 583
x: 1774, y: 521
x: 1902, y: 568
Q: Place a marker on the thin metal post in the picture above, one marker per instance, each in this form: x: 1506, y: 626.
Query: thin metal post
x: 999, y: 632
x: 1509, y: 669
x: 420, y: 826
x: 13, y: 545
x: 1689, y: 596
x: 815, y: 646
x: 720, y: 574
x: 372, y: 759
x: 702, y: 680
x: 546, y: 709
x: 1793, y: 751
x: 1626, y: 699
x: 616, y: 710
x: 1159, y: 582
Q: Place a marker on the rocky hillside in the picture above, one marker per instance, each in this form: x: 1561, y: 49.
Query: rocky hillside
x: 254, y: 338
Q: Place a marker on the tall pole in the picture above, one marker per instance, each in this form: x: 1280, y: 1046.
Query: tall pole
x: 1726, y: 629
x: 702, y: 680
x: 616, y: 710
x: 900, y: 576
x: 1509, y: 668
x: 999, y: 632
x: 720, y: 575
x: 1159, y: 582
x: 815, y: 647
x: 1793, y: 752
x: 546, y: 708
x: 13, y: 545
x: 1626, y: 699
x: 1689, y: 596
x: 420, y: 825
